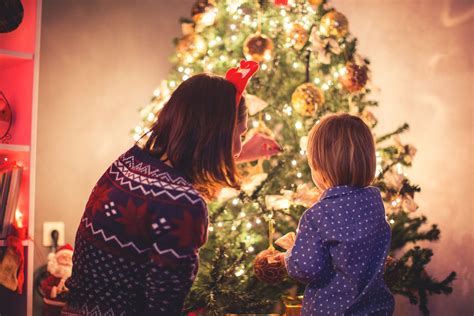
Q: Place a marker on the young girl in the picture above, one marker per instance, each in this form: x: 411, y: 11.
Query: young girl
x: 136, y: 250
x: 343, y: 240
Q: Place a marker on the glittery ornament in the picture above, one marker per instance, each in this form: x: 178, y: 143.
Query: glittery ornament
x: 354, y: 77
x: 307, y: 98
x: 268, y: 267
x: 203, y: 14
x: 334, y: 24
x: 297, y: 36
x: 258, y: 47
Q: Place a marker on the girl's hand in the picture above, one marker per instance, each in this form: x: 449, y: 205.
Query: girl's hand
x: 258, y: 146
x: 287, y: 241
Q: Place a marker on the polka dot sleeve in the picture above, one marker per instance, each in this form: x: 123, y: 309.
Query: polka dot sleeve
x: 308, y: 258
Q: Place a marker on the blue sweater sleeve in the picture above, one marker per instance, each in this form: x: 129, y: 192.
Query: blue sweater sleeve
x: 309, y: 257
x: 173, y: 259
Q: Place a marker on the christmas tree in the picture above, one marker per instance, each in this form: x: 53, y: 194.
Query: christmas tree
x: 309, y: 67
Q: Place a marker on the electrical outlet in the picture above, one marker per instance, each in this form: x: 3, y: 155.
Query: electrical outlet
x: 48, y: 227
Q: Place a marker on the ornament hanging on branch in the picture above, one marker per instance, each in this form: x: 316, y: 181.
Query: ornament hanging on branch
x: 334, y: 24
x: 258, y: 47
x: 269, y: 265
x: 297, y: 36
x: 315, y: 3
x: 306, y: 99
x: 203, y: 14
x: 354, y: 77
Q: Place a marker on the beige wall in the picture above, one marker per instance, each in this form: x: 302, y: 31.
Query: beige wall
x: 101, y: 60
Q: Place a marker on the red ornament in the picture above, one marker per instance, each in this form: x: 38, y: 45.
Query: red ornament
x: 268, y: 267
x: 281, y: 2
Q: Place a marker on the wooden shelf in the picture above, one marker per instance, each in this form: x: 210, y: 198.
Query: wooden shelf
x: 9, y: 147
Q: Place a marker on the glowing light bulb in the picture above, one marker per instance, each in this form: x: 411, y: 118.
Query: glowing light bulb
x: 258, y: 221
x: 299, y: 174
x: 172, y: 84
x: 233, y: 38
x: 219, y: 224
x: 211, y: 229
x: 317, y: 80
x: 293, y: 162
x: 233, y: 27
x: 233, y: 228
x: 392, y: 221
x: 151, y: 117
x: 264, y: 67
x: 249, y: 225
x: 268, y: 117
x: 251, y: 249
x: 325, y: 86
x: 180, y: 69
x: 239, y: 272
x: 235, y: 201
x: 298, y: 125
x: 255, y: 124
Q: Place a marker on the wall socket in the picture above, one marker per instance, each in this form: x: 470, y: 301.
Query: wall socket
x: 48, y: 227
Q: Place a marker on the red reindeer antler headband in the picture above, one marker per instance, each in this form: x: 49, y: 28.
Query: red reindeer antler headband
x: 240, y: 76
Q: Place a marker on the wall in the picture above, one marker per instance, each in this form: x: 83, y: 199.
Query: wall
x: 101, y: 60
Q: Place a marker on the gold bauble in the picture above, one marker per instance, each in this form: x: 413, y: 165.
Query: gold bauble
x: 258, y: 47
x: 315, y: 3
x: 354, y: 77
x: 297, y: 36
x: 190, y: 47
x: 203, y: 13
x: 334, y: 24
x: 307, y: 98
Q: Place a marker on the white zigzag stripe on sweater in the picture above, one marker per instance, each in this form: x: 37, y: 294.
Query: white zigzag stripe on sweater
x: 157, y: 173
x: 153, y: 181
x: 96, y: 311
x: 109, y: 238
x: 130, y: 244
x: 122, y: 180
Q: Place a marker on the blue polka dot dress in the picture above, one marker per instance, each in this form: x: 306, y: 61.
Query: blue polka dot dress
x: 340, y: 250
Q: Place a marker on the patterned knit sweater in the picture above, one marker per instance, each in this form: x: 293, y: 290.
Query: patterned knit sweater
x: 136, y: 249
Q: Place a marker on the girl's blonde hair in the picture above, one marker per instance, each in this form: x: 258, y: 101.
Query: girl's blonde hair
x: 341, y: 151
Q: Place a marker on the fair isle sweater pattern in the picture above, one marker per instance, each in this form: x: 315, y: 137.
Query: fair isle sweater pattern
x: 136, y: 249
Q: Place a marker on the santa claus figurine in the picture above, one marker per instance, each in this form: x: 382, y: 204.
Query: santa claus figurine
x: 59, y: 270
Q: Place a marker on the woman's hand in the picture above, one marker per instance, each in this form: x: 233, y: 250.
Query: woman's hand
x: 258, y: 146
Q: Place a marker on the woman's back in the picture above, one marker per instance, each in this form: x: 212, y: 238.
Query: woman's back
x: 137, y: 244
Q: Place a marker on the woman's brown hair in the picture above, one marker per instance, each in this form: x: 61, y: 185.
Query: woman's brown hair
x: 194, y: 132
x: 341, y: 151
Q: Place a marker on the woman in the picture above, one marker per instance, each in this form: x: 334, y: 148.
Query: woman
x: 136, y: 250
